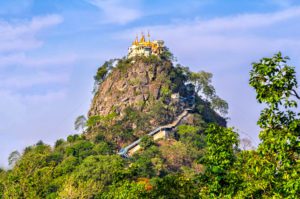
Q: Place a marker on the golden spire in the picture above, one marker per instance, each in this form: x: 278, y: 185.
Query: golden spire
x: 148, y: 36
x: 143, y: 38
x: 136, y: 41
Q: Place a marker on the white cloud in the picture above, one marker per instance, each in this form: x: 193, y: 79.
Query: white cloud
x: 237, y: 35
x: 230, y: 24
x: 27, y: 81
x: 27, y: 119
x: 22, y: 66
x: 50, y: 96
x: 8, y: 101
x: 35, y: 61
x: 21, y: 35
x: 118, y: 11
x: 247, y: 21
x: 22, y: 103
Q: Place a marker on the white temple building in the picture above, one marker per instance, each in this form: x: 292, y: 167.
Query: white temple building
x: 145, y: 48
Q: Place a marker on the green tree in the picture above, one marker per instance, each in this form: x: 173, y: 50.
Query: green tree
x: 275, y: 84
x: 178, y: 76
x: 218, y: 180
x: 31, y: 176
x: 146, y: 141
x: 103, y: 148
x: 174, y: 186
x: 167, y: 55
x: 142, y: 166
x: 58, y: 142
x: 191, y: 135
x: 80, y: 122
x: 103, y: 71
x: 13, y: 158
x: 193, y: 139
x: 2, y: 180
x: 202, y: 82
x: 40, y: 143
x: 125, y: 190
x: 175, y: 155
x: 93, y: 176
x: 80, y: 149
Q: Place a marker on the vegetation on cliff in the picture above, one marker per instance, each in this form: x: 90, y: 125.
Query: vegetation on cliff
x: 201, y: 159
x: 135, y: 95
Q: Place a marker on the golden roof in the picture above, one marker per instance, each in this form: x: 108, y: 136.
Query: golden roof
x: 143, y: 42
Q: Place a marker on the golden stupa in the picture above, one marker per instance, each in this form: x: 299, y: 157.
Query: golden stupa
x: 145, y: 48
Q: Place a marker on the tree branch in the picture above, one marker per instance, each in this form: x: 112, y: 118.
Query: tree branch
x: 296, y: 94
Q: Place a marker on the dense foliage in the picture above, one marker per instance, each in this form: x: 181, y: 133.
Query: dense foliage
x: 202, y: 160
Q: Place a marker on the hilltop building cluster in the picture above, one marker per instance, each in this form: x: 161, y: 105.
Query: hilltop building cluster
x: 145, y: 48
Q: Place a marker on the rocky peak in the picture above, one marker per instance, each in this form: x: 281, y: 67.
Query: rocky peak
x: 142, y: 84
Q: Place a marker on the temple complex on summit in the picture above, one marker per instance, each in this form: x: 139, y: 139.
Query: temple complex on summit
x: 145, y: 47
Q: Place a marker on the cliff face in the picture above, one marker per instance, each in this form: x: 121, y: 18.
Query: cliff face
x: 139, y: 84
x: 144, y: 93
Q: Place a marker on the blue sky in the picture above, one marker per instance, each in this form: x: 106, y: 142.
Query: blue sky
x: 50, y: 50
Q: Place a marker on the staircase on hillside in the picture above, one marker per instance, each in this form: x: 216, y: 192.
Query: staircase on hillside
x: 158, y: 133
